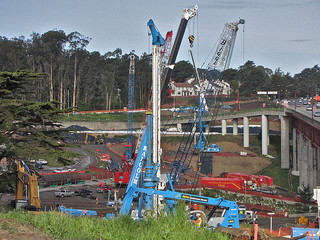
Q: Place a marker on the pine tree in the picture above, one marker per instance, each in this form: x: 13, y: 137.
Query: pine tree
x: 28, y: 129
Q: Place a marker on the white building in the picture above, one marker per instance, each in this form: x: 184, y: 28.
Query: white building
x: 181, y: 89
x: 187, y: 89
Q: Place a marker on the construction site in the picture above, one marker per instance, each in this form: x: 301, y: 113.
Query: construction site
x: 143, y: 174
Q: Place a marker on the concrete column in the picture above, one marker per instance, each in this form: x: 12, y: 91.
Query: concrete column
x: 268, y: 125
x: 223, y: 127
x: 235, y: 126
x: 303, y: 161
x: 310, y: 165
x: 245, y: 132
x: 179, y: 126
x: 264, y: 135
x: 294, y: 149
x: 207, y: 129
x: 300, y: 157
x: 285, y: 142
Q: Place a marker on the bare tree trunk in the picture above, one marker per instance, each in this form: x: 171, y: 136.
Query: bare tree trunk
x: 74, y: 81
x: 107, y: 100
x: 110, y: 101
x: 51, y: 82
x: 61, y: 93
x: 78, y: 90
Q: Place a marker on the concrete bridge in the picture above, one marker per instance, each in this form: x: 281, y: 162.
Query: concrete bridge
x: 300, y: 137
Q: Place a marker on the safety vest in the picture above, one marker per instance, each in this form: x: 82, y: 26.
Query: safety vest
x: 198, y: 222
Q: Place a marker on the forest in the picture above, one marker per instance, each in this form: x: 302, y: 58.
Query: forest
x: 87, y: 80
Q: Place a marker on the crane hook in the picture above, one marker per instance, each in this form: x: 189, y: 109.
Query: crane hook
x: 191, y: 40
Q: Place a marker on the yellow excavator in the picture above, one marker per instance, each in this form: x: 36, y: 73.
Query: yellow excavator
x: 98, y: 140
x: 27, y: 180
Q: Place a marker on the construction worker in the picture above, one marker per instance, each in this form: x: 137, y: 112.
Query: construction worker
x: 97, y: 201
x: 85, y: 212
x: 198, y: 220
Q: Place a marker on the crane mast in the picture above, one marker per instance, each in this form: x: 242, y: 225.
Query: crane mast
x: 130, y: 110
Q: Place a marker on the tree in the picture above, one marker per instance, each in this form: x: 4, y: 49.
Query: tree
x: 28, y: 128
x: 182, y: 70
x: 77, y: 42
x: 308, y: 80
x: 53, y: 43
x: 252, y: 78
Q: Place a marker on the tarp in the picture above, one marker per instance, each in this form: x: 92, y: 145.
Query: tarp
x: 78, y: 212
x: 226, y: 107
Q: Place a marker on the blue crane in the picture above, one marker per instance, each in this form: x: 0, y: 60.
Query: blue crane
x: 144, y: 185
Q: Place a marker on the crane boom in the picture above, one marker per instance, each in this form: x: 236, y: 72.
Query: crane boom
x: 187, y: 14
x: 218, y: 63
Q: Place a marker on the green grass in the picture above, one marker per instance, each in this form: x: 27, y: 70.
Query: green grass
x: 280, y: 176
x: 66, y: 227
x: 120, y: 117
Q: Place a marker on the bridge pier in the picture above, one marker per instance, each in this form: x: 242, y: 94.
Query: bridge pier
x: 294, y: 150
x: 307, y: 161
x: 265, y: 134
x: 224, y: 127
x: 235, y: 126
x: 245, y: 132
x: 284, y: 142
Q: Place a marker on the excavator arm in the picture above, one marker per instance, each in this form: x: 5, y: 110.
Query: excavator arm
x: 28, y: 178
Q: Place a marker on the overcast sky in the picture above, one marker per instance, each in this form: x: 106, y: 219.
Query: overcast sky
x: 277, y: 34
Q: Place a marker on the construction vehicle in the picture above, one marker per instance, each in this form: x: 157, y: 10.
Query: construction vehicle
x: 213, y: 74
x: 148, y: 187
x: 97, y: 139
x: 121, y: 177
x: 229, y: 209
x: 27, y: 192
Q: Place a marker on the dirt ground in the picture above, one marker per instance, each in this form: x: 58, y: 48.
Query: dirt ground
x: 95, y: 202
x: 13, y: 230
x: 220, y: 164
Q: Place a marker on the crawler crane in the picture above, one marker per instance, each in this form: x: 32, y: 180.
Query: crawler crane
x: 146, y: 186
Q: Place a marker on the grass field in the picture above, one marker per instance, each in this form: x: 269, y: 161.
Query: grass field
x: 66, y: 227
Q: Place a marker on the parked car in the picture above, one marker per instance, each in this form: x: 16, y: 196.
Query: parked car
x: 39, y: 166
x: 317, y: 114
x: 83, y: 192
x: 42, y: 161
x: 64, y: 193
x: 298, y: 105
x: 103, y: 189
x: 31, y: 160
x: 309, y: 108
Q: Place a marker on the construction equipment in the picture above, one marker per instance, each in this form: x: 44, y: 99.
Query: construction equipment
x: 130, y: 109
x: 229, y: 215
x: 213, y: 74
x: 147, y: 187
x: 187, y: 14
x: 97, y: 139
x: 27, y: 180
x: 121, y: 177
